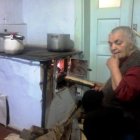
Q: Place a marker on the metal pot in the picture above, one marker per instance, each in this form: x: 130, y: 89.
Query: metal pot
x: 13, y: 44
x: 59, y: 42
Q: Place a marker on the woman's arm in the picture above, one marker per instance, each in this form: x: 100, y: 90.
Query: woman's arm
x: 129, y: 86
x: 115, y: 73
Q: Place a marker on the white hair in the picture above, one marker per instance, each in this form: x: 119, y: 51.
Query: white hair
x: 130, y: 34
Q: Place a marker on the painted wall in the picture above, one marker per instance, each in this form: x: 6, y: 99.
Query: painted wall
x: 11, y: 12
x: 19, y: 81
x: 47, y: 16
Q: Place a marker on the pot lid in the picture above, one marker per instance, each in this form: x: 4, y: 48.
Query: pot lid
x: 14, y: 36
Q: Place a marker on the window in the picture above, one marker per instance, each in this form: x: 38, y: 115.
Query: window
x: 109, y: 3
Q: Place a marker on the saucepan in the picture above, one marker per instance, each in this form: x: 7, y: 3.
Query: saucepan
x: 59, y: 42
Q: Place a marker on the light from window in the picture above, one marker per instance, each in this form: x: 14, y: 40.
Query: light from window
x: 109, y: 3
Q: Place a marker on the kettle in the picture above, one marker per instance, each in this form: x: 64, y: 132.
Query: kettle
x: 13, y: 44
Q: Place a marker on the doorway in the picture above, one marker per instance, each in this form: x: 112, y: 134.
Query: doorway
x: 93, y: 25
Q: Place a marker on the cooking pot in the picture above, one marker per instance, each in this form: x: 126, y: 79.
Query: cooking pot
x: 59, y: 42
x: 13, y: 44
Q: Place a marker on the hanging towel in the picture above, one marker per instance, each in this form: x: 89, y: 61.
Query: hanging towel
x: 3, y: 110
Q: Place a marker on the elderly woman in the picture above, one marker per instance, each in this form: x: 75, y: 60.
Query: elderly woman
x: 113, y: 110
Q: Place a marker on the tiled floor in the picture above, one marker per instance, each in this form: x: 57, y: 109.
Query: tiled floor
x: 5, y: 131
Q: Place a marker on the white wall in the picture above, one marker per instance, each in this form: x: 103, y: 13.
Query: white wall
x: 19, y: 81
x: 47, y: 16
x: 11, y: 12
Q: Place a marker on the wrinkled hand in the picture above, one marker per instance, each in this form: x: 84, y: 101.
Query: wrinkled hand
x: 98, y: 86
x: 116, y: 76
x: 113, y: 62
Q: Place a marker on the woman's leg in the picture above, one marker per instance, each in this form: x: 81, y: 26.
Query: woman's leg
x: 92, y: 100
x: 103, y: 124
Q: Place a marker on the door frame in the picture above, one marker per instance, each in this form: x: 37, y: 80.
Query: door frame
x: 82, y: 27
x: 79, y: 24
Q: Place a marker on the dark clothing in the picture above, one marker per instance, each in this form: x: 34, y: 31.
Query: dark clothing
x: 106, y: 123
x: 129, y: 87
x: 111, y: 115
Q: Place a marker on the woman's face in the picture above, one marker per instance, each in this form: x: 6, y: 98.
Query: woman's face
x: 119, y: 45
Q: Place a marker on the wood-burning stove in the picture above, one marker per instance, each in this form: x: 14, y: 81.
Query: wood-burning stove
x: 53, y: 68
